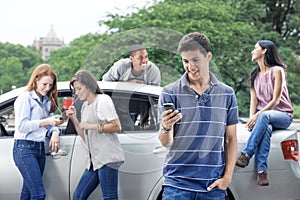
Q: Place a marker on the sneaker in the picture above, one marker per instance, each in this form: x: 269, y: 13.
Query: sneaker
x: 243, y: 160
x: 262, y: 179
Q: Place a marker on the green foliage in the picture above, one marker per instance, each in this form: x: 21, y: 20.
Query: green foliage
x: 228, y: 36
x: 15, y: 64
x: 10, y: 73
x: 296, y: 111
x: 28, y: 57
x: 67, y: 61
x: 293, y: 72
x: 233, y: 26
x: 159, y: 42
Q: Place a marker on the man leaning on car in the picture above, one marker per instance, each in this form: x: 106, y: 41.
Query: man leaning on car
x: 137, y: 69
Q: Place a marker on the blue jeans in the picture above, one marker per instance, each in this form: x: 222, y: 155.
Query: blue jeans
x: 107, y: 176
x: 171, y: 193
x: 29, y: 157
x: 259, y: 140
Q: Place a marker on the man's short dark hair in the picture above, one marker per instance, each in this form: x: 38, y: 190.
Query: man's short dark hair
x: 194, y: 41
x: 134, y: 48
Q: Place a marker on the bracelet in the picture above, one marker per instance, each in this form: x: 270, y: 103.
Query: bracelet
x: 99, y: 130
x: 164, y: 130
x: 102, y: 127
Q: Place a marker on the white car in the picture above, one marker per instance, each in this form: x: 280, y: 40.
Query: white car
x: 140, y: 176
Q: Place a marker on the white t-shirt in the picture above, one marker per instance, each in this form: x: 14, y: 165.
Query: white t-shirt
x: 101, y: 148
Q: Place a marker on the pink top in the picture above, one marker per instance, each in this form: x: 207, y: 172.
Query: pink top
x: 264, y: 88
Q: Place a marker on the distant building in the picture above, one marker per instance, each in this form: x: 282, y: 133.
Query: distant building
x: 49, y: 43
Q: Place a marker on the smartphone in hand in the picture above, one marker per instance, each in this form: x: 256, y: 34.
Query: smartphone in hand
x: 168, y: 106
x: 64, y: 116
x: 58, y: 117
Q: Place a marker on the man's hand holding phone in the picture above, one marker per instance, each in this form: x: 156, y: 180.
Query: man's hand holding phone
x: 169, y: 117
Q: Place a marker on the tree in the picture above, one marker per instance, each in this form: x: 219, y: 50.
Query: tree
x: 67, y: 61
x: 228, y: 36
x: 16, y: 63
x: 10, y: 69
x: 27, y: 56
x: 233, y: 26
x: 284, y: 16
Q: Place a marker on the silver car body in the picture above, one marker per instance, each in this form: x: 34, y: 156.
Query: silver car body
x: 140, y: 176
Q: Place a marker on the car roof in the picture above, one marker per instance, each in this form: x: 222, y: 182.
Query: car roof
x: 120, y: 87
x: 104, y: 85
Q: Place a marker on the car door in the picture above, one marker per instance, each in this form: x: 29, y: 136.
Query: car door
x: 10, y: 178
x: 56, y: 174
x: 144, y: 156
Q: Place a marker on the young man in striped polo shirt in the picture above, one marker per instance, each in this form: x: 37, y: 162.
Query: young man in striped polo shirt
x: 201, y: 132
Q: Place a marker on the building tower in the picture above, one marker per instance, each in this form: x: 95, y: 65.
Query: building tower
x: 49, y: 43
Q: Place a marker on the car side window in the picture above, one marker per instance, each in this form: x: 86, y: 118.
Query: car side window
x: 7, y: 117
x: 137, y: 112
x: 7, y: 122
x: 65, y: 100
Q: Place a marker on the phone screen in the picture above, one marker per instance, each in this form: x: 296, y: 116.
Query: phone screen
x: 168, y: 106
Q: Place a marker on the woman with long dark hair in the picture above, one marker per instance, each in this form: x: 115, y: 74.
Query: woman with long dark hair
x: 98, y: 130
x: 270, y: 106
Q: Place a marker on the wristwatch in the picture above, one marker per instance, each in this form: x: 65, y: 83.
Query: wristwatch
x: 163, y: 130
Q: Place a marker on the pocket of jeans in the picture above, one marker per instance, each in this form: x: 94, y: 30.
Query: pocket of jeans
x: 19, y: 149
x: 23, y: 147
x: 217, y: 194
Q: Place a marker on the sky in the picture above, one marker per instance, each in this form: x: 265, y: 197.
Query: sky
x: 23, y: 21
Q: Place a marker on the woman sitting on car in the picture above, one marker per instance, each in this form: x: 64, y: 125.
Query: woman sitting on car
x: 270, y: 106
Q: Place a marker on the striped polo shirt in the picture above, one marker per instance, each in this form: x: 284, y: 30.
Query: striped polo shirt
x: 196, y: 157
